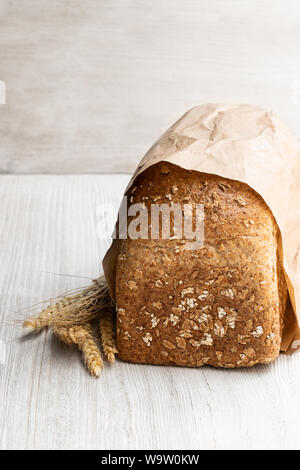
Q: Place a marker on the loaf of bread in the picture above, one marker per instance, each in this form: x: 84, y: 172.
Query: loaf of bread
x: 222, y: 304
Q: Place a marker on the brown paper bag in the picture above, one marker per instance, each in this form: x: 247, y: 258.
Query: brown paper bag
x: 248, y: 144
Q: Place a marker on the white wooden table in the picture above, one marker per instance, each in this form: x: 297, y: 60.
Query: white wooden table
x: 49, y: 234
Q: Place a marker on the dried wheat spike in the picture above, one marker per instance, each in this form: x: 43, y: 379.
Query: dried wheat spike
x: 44, y: 319
x: 36, y: 324
x: 107, y: 333
x: 47, y: 317
x: 32, y: 325
x: 82, y: 335
x: 76, y: 308
x: 92, y: 357
x: 70, y: 335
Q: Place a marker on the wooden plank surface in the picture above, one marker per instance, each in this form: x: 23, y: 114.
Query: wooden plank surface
x: 52, y: 228
x: 92, y: 84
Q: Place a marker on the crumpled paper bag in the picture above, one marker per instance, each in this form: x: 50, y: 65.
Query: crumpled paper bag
x: 249, y: 144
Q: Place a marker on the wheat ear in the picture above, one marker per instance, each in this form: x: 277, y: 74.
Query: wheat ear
x: 82, y: 335
x: 48, y: 316
x: 76, y: 309
x: 107, y: 334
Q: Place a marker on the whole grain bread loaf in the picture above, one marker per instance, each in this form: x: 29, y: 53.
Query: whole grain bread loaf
x: 221, y: 305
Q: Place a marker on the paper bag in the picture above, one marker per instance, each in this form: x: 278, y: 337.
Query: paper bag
x: 244, y: 143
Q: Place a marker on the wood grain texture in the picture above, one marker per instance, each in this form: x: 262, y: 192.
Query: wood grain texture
x: 51, y: 224
x: 91, y: 84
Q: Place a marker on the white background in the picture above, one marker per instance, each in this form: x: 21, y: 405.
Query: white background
x: 92, y: 83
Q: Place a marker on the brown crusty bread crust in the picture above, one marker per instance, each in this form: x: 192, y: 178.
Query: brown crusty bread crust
x: 221, y: 305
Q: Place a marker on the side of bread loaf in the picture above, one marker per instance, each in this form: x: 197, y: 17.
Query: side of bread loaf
x: 220, y: 305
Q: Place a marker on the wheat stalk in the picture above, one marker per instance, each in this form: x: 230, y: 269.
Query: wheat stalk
x: 107, y: 334
x: 48, y: 316
x: 70, y: 320
x: 82, y: 335
x: 71, y: 310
